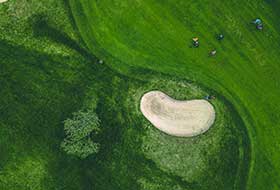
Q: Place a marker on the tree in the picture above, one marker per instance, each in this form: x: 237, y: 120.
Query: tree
x: 78, y: 131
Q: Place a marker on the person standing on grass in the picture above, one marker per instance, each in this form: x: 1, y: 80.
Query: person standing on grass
x: 220, y: 37
x: 195, y: 42
x: 258, y: 23
x: 213, y: 53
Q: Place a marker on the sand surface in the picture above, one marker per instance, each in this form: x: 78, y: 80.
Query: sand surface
x: 177, y: 118
x: 2, y: 1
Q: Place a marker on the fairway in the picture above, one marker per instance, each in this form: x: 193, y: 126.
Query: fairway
x: 63, y: 57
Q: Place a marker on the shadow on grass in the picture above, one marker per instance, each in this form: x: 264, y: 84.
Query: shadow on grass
x: 41, y: 28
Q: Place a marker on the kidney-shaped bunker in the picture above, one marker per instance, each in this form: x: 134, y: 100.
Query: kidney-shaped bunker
x: 177, y: 118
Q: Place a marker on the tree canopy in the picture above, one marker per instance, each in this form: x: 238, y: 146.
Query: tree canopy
x: 78, y: 131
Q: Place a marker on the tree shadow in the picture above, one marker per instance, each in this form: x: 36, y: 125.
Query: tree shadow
x: 41, y: 28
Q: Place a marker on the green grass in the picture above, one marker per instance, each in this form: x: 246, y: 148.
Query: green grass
x: 155, y: 34
x: 196, y: 160
x: 48, y: 55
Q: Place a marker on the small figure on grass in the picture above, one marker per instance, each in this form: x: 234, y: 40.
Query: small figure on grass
x: 213, y: 53
x: 209, y: 97
x: 259, y: 26
x: 258, y: 23
x: 220, y: 37
x: 195, y: 42
x: 100, y: 61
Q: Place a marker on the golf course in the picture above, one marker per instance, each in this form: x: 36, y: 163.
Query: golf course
x: 139, y: 95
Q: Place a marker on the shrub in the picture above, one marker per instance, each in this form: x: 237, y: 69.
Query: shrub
x: 78, y: 131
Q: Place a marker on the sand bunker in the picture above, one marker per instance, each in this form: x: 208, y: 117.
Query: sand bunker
x: 2, y: 1
x: 177, y: 118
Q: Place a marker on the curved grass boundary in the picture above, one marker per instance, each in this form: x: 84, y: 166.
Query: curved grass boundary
x: 244, y: 164
x: 109, y: 88
x: 126, y: 69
